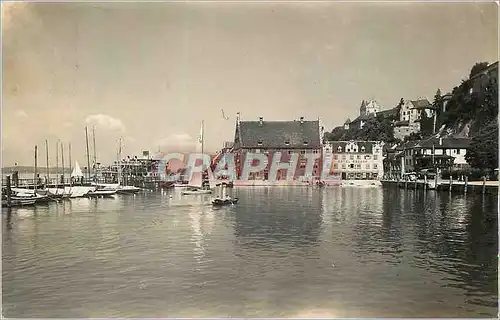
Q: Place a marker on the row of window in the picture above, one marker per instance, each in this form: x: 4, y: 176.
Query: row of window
x: 353, y: 161
x: 287, y: 143
x: 355, y: 166
x: 437, y: 151
x: 351, y: 157
x: 339, y: 150
x: 266, y: 151
x: 352, y: 149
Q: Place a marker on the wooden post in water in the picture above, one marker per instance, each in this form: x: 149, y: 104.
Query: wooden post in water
x: 436, y: 180
x: 415, y: 183
x: 36, y: 169
x: 451, y: 182
x: 425, y: 182
x: 9, y: 192
x: 466, y: 184
x: 484, y: 184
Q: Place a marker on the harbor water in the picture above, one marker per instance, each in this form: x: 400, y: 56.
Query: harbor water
x: 280, y: 252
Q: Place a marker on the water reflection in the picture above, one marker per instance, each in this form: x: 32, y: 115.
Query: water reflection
x: 260, y: 220
x: 280, y: 252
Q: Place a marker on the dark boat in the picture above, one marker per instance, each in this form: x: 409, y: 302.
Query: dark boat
x: 225, y: 202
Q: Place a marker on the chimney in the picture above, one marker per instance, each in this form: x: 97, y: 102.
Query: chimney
x: 261, y: 120
x: 301, y: 119
x: 440, y: 141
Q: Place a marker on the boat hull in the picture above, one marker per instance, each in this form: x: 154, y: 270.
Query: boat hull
x: 19, y: 202
x: 196, y: 192
x: 128, y: 190
x: 101, y: 193
x: 227, y: 202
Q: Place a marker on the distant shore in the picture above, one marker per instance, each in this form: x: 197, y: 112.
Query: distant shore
x: 31, y: 170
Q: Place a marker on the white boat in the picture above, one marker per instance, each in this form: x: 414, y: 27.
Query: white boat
x: 101, y: 193
x: 194, y: 191
x: 19, y: 201
x: 195, y: 185
x: 181, y: 185
x: 127, y: 189
x: 80, y: 191
x: 28, y: 197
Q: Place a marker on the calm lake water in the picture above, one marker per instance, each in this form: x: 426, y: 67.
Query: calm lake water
x: 281, y: 252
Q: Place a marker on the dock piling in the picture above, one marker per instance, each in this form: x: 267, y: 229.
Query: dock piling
x: 9, y: 192
x: 466, y: 184
x: 484, y: 184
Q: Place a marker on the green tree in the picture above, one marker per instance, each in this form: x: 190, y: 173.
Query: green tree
x: 413, y: 136
x: 336, y: 134
x: 478, y: 67
x: 483, y: 152
x: 398, y: 109
x: 489, y: 105
x: 377, y: 129
x: 438, y: 100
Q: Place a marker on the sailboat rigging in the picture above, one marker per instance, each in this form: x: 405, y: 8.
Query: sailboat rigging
x: 195, y: 184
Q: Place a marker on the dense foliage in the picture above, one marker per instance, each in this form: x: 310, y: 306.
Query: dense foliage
x: 483, y: 153
x: 478, y: 110
x: 478, y: 67
x: 379, y: 128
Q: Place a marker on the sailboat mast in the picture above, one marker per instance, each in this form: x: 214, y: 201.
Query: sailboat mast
x: 95, y: 156
x: 119, y: 162
x: 62, y: 163
x: 57, y: 165
x: 202, y: 135
x: 70, y: 169
x: 35, y: 175
x: 88, y: 155
x: 47, y: 177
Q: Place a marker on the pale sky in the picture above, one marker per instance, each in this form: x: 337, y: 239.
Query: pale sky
x: 151, y: 72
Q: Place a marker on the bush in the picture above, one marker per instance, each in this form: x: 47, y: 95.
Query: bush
x: 473, y: 174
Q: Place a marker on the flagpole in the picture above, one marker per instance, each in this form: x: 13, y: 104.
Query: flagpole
x: 202, y: 135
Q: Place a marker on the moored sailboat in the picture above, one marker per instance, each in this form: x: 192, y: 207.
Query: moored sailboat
x: 195, y: 184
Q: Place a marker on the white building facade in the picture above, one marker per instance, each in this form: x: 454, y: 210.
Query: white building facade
x: 356, y: 160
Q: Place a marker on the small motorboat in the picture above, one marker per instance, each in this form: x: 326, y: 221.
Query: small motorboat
x: 102, y: 193
x: 19, y: 202
x: 181, y: 185
x: 127, y: 189
x: 27, y: 198
x: 224, y: 202
x: 194, y: 191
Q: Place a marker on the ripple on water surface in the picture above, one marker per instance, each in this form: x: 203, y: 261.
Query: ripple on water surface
x: 281, y: 252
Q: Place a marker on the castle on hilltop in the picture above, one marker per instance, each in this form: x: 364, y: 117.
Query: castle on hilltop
x: 406, y: 118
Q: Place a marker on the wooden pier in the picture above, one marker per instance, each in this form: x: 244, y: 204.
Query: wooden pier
x: 484, y: 186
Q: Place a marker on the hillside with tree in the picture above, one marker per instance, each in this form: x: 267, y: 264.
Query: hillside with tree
x: 470, y: 110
